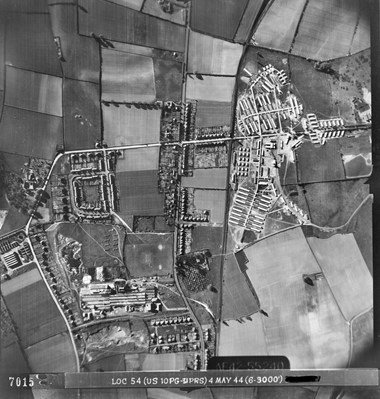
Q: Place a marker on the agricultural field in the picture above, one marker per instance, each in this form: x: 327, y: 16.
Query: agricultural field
x: 206, y: 237
x: 13, y: 361
x: 272, y: 32
x: 134, y: 4
x: 21, y: 282
x: 148, y: 259
x: 212, y: 200
x: 126, y: 25
x: 114, y: 362
x: 358, y: 167
x: 168, y: 79
x: 29, y: 43
x: 81, y: 112
x: 320, y: 163
x: 81, y: 55
x: 127, y: 77
x: 54, y: 354
x: 139, y: 193
x: 101, y: 244
x: 210, y: 88
x: 333, y: 203
x: 127, y: 126
x: 362, y: 334
x: 238, y: 299
x: 34, y: 313
x: 217, y: 18
x: 30, y: 133
x: 304, y: 322
x: 362, y: 36
x: 139, y: 160
x: 167, y: 361
x: 14, y: 219
x: 177, y: 16
x: 213, y: 178
x: 213, y: 113
x: 40, y: 92
x: 327, y: 19
x: 213, y: 56
x: 346, y: 272
x: 249, y: 17
x: 243, y: 338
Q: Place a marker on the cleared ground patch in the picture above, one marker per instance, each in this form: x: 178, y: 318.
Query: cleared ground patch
x: 243, y: 339
x: 30, y: 133
x: 210, y: 88
x: 126, y: 126
x: 276, y: 30
x: 246, y: 24
x: 238, y: 300
x: 213, y: 56
x: 213, y: 113
x: 217, y: 18
x: 29, y: 43
x: 346, y: 272
x: 127, y: 77
x: 55, y: 354
x: 327, y: 19
x: 33, y: 91
x: 126, y: 25
x: 320, y: 163
x: 81, y: 114
x: 139, y: 193
x: 304, y: 322
x: 34, y: 313
x: 207, y: 178
x: 212, y: 200
x: 139, y: 159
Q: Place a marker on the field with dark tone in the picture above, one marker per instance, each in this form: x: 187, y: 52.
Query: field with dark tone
x: 139, y: 193
x: 168, y: 79
x: 207, y: 238
x: 130, y: 26
x: 146, y: 258
x: 246, y: 24
x: 320, y: 163
x: 114, y: 362
x: 238, y: 300
x: 30, y: 133
x: 217, y: 18
x: 332, y: 203
x: 81, y: 98
x: 30, y: 45
x: 34, y: 313
x: 213, y: 113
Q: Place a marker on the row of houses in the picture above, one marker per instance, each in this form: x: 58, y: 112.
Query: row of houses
x: 320, y: 130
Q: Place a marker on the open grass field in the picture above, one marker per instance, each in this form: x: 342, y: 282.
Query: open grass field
x: 150, y: 259
x: 130, y: 26
x: 33, y: 91
x: 100, y: 245
x: 126, y: 126
x: 304, y: 322
x: 168, y: 79
x: 167, y: 361
x: 213, y: 113
x: 210, y: 88
x: 327, y: 19
x: 30, y: 133
x: 127, y: 77
x: 238, y: 299
x: 332, y: 203
x: 212, y: 200
x: 152, y: 7
x: 217, y: 18
x: 29, y: 43
x: 139, y: 159
x: 243, y: 339
x: 81, y: 54
x: 357, y: 167
x: 13, y: 360
x: 362, y: 36
x: 276, y: 30
x: 206, y: 237
x: 213, y: 178
x: 139, y: 194
x: 20, y: 282
x: 213, y: 56
x: 345, y: 271
x: 246, y: 24
x: 320, y: 163
x: 362, y: 334
x: 81, y: 98
x: 54, y: 354
x: 34, y: 313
